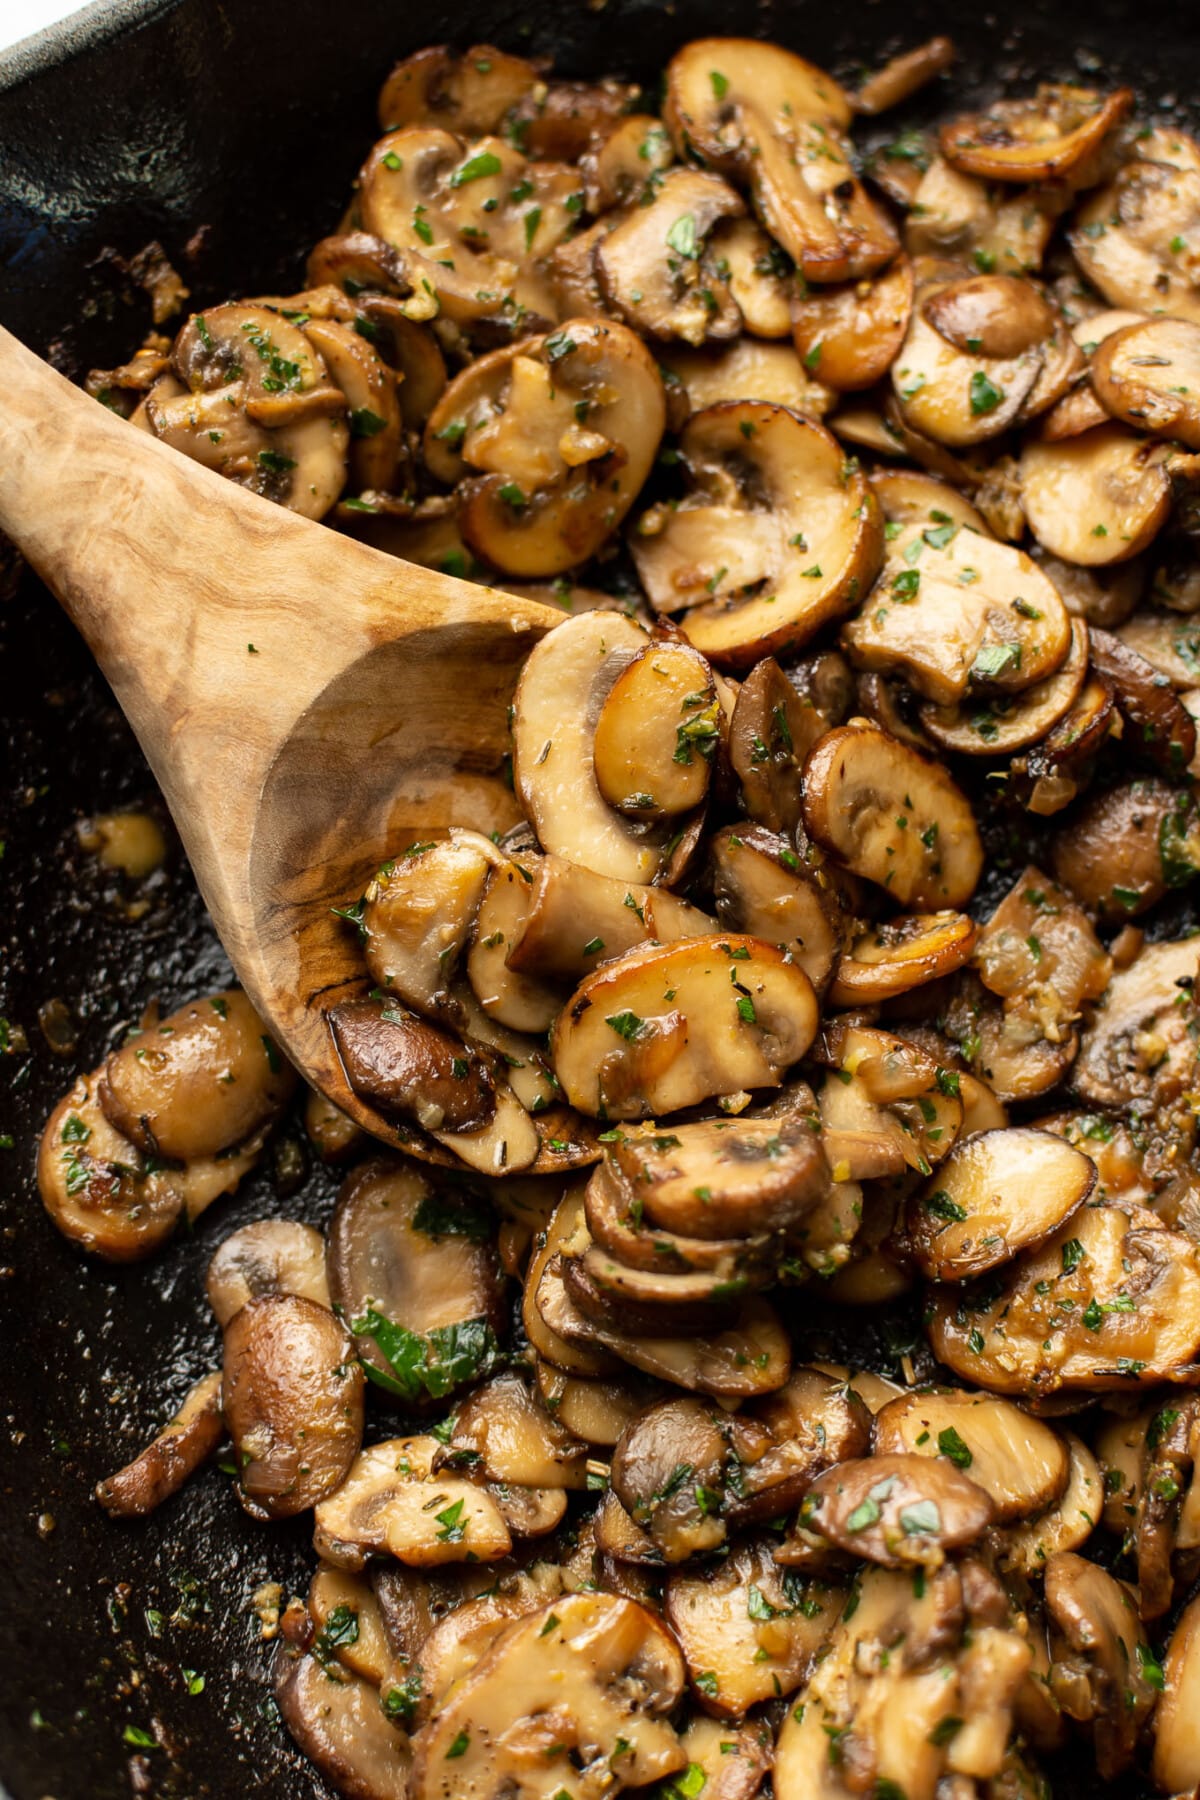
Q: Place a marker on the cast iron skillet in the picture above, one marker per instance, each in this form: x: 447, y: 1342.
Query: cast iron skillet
x: 149, y: 118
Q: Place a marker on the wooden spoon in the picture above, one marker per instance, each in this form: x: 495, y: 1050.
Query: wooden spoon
x: 308, y: 705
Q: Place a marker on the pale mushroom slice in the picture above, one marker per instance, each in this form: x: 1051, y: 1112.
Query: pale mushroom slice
x: 393, y: 1502
x: 512, y: 998
x: 459, y: 1641
x: 911, y: 498
x: 1021, y: 1463
x: 848, y: 337
x: 733, y: 1760
x: 272, y: 1256
x: 778, y: 535
x: 624, y: 166
x: 1156, y: 828
x: 995, y: 1195
x: 575, y: 919
x: 1111, y: 1301
x: 578, y: 1691
x: 986, y: 227
x: 349, y: 1627
x: 902, y: 953
x: 412, y: 1270
x: 762, y: 887
x: 897, y: 1510
x: 1003, y: 724
x: 566, y: 1232
x: 183, y: 1445
x: 331, y: 1133
x: 759, y: 277
x: 563, y: 685
x: 954, y: 611
x: 1176, y: 1725
x: 749, y: 1630
x: 340, y: 1726
x: 626, y: 1296
x: 663, y: 1028
x: 747, y: 369
x: 892, y: 817
x: 417, y: 913
x: 763, y: 115
x: 1139, y: 1054
x: 658, y: 268
x: 1098, y: 498
x: 1133, y: 238
x: 1103, y: 1671
x: 885, y: 1106
x: 1052, y: 135
x: 503, y: 1434
x: 1148, y: 375
x: 1067, y: 1525
x: 722, y: 1178
x: 657, y: 733
x: 292, y: 1396
x: 1168, y: 642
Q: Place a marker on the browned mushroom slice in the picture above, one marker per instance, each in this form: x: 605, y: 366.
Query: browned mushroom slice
x: 1160, y: 726
x: 883, y: 1107
x: 996, y: 1194
x: 664, y: 1028
x: 1139, y: 1053
x: 1020, y: 1463
x: 1039, y: 953
x: 417, y: 915
x: 566, y: 1233
x: 892, y: 817
x: 762, y: 887
x: 331, y: 1133
x: 411, y: 1068
x: 903, y: 953
x: 626, y: 1298
x: 1050, y: 775
x: 511, y: 998
x: 277, y: 373
x: 910, y: 498
x: 458, y: 1642
x: 1067, y: 1525
x: 1102, y: 1665
x: 393, y: 1501
x: 369, y: 386
x: 759, y: 276
x: 503, y: 1434
x: 1098, y: 498
x: 904, y: 75
x: 757, y: 112
x: 656, y: 733
x: 953, y: 610
x: 848, y: 337
x: 575, y: 919
x: 1056, y: 132
x: 747, y: 369
x: 1176, y: 1763
x: 669, y: 1473
x: 340, y: 1726
x: 749, y: 1630
x: 1110, y: 1300
x: 624, y: 165
x: 778, y: 536
x: 734, y: 1760
x: 897, y: 1510
x: 1168, y: 643
x: 183, y: 1445
x: 348, y: 1627
x: 1002, y: 724
x: 471, y: 92
x: 583, y: 1683
x: 617, y: 1222
x: 1153, y: 829
x: 413, y: 1272
x: 273, y: 1256
x: 987, y: 227
x: 724, y: 1178
x: 197, y: 1082
x: 292, y: 1395
x: 657, y: 267
x: 1132, y: 238
x: 772, y: 730
x: 1147, y: 375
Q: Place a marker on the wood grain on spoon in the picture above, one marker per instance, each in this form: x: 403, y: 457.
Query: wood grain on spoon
x: 307, y: 704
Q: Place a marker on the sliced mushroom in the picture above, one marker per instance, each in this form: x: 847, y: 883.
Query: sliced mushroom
x: 660, y: 1029
x: 989, y: 228
x: 658, y: 269
x: 885, y: 1106
x: 1139, y: 1053
x: 953, y: 611
x: 903, y: 953
x: 1069, y: 1522
x: 757, y: 112
x: 392, y: 1500
x: 512, y: 998
x: 576, y: 919
x: 417, y: 915
x: 459, y: 1641
x: 595, y: 1412
x: 292, y: 1395
x: 369, y: 387
x: 669, y: 1473
x: 1168, y: 643
x: 1002, y: 724
x: 623, y: 167
x: 772, y: 730
x: 656, y: 733
x: 1146, y: 374
x: 910, y: 498
x: 502, y: 1432
x: 1053, y: 772
x: 1132, y: 238
x: 1101, y: 1660
x: 762, y: 887
x: 272, y: 1256
x: 897, y: 1510
x: 1039, y: 952
x: 726, y: 1178
x: 472, y: 92
x: 592, y: 1677
x: 1020, y: 1463
x: 892, y: 817
x: 339, y: 1724
x: 747, y: 369
x: 1110, y: 1300
x: 848, y: 337
x: 995, y: 1195
x: 183, y: 1445
x: 779, y: 535
x: 1097, y: 498
x: 1054, y: 134
x: 348, y: 1625
x: 618, y: 1225
x: 733, y: 1760
x: 413, y: 1272
x: 1156, y: 828
x: 1160, y: 726
x: 197, y: 1082
x: 661, y: 1302
x: 566, y: 1232
x: 749, y: 1630
x: 331, y: 1133
x: 1176, y: 1764
x: 759, y: 277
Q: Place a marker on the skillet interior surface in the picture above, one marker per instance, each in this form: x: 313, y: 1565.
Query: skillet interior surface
x: 249, y: 121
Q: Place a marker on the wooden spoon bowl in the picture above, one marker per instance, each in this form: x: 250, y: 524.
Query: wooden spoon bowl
x: 308, y: 705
